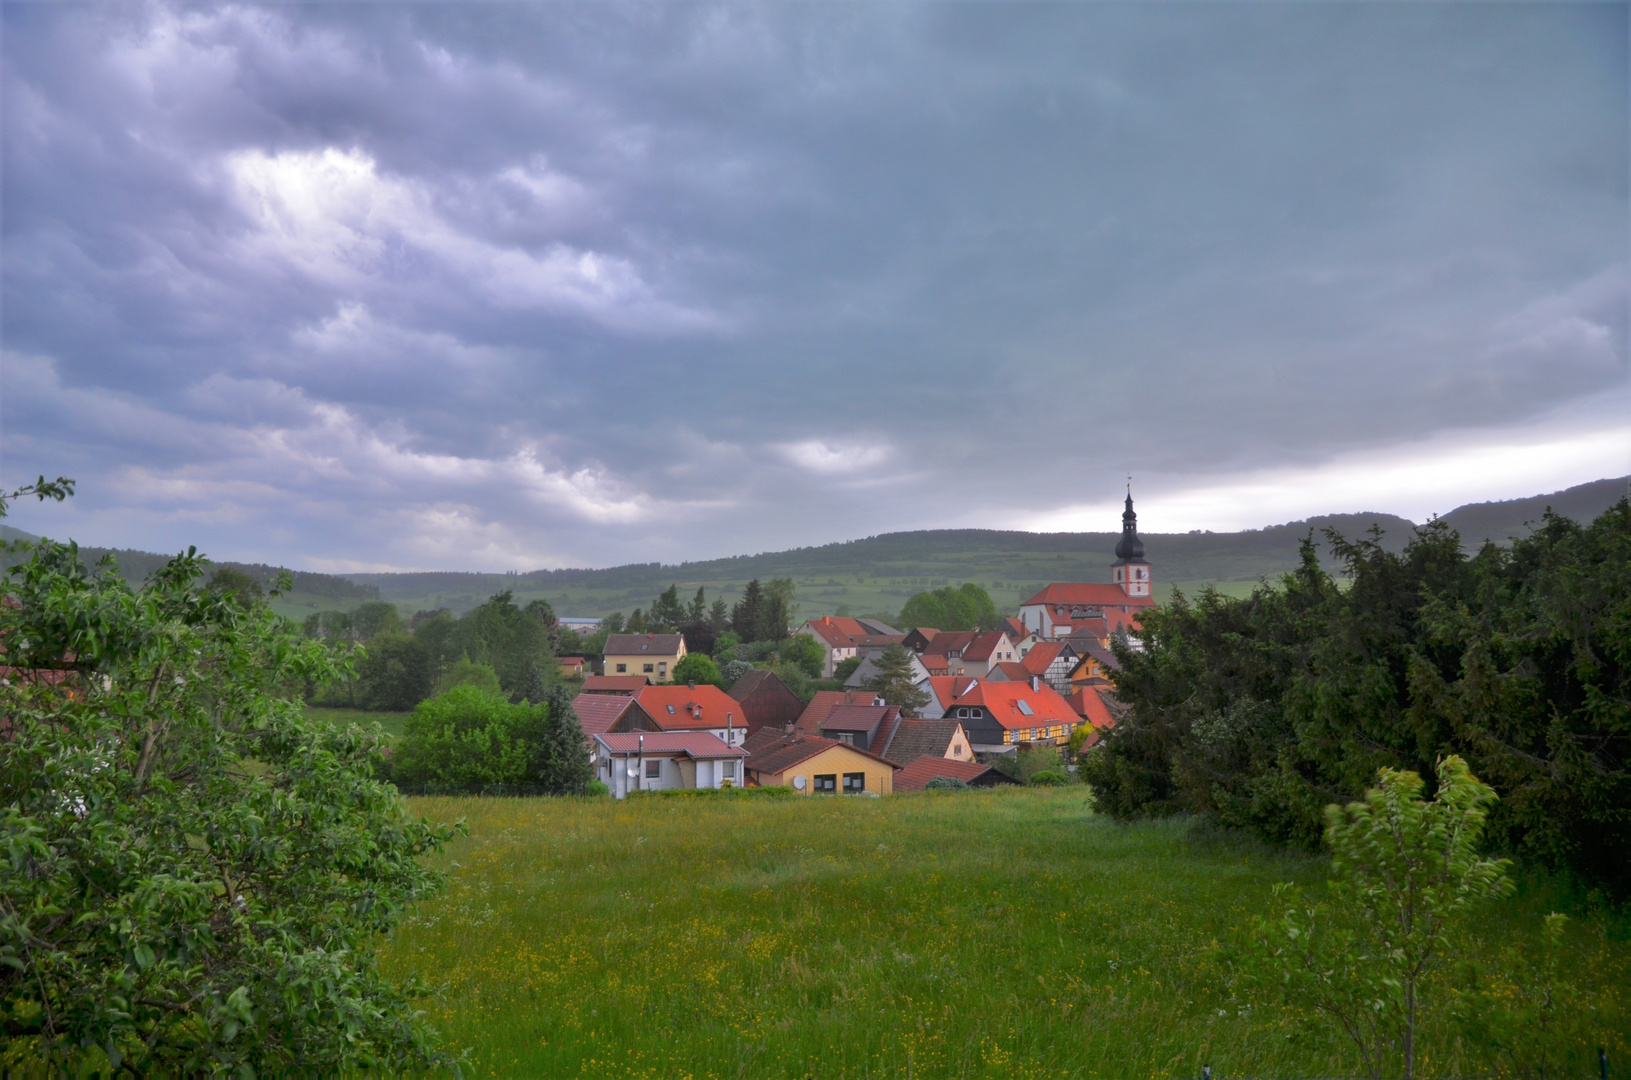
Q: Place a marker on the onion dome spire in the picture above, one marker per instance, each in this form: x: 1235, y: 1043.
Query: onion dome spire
x: 1129, y: 548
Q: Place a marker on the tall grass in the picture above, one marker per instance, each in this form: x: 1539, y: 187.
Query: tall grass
x: 1006, y: 933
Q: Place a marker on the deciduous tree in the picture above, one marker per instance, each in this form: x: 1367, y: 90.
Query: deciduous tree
x: 165, y: 907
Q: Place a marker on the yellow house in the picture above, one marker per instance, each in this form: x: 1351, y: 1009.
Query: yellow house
x: 812, y: 765
x: 651, y: 655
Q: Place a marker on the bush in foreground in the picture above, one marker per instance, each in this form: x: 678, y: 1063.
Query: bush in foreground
x: 195, y: 875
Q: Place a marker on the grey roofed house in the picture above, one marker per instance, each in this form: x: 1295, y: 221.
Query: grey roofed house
x: 634, y: 644
x: 921, y: 738
x: 869, y: 727
x: 869, y: 670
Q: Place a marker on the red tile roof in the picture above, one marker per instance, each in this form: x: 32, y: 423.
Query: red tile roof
x: 948, y: 642
x: 598, y: 712
x: 1002, y: 702
x: 681, y: 707
x: 914, y: 776
x: 1089, y: 703
x: 946, y: 688
x: 877, y: 722
x: 843, y: 632
x: 691, y: 744
x: 983, y: 646
x: 1086, y: 594
x: 1011, y: 671
x: 614, y: 684
x: 1042, y: 655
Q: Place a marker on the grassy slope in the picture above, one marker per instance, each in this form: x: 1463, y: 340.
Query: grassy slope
x: 391, y: 722
x: 1003, y: 934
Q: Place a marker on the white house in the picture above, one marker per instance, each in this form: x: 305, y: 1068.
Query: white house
x: 663, y: 760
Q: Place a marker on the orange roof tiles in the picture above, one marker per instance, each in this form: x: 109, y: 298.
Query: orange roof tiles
x: 690, y: 707
x: 1002, y: 701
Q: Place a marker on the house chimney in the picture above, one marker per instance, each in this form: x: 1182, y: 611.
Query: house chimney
x: 1036, y: 682
x: 692, y: 684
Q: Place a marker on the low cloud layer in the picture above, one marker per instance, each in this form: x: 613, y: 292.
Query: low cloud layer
x: 488, y: 287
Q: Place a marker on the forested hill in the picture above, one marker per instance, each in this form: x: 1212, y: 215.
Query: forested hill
x: 876, y: 574
x: 987, y: 555
x: 938, y: 554
x: 135, y: 566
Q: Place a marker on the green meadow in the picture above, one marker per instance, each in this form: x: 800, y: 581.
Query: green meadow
x: 390, y: 722
x: 1009, y: 933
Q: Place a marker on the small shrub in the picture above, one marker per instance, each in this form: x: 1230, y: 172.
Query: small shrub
x: 1049, y: 778
x: 947, y: 783
x: 597, y: 788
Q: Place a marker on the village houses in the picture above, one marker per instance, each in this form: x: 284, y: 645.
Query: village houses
x: 1031, y: 682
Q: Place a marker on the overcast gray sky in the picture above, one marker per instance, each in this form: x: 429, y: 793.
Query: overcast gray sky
x: 523, y: 285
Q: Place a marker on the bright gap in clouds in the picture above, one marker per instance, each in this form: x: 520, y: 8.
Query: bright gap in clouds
x: 1414, y: 481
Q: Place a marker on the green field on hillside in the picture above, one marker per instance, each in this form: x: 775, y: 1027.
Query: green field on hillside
x: 391, y: 722
x: 1010, y: 933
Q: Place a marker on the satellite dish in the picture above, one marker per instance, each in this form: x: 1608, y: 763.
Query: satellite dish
x: 798, y: 783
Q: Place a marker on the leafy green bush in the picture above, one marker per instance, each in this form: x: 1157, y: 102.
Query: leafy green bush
x: 597, y: 788
x: 1405, y: 877
x: 846, y: 668
x: 463, y: 673
x: 470, y: 736
x: 963, y: 607
x: 805, y: 651
x: 947, y: 783
x: 1049, y: 778
x: 196, y: 876
x: 698, y: 668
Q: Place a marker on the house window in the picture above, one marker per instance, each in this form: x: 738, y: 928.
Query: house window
x: 854, y: 783
x: 826, y: 783
x: 662, y: 669
x: 846, y: 737
x: 727, y: 771
x: 654, y: 769
x: 962, y: 714
x: 621, y: 668
x: 647, y: 669
x: 957, y: 751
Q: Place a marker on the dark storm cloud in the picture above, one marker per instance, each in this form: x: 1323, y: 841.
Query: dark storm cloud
x: 472, y: 286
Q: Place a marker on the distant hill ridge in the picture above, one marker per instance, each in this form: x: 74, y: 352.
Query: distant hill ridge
x: 135, y: 566
x: 894, y: 564
x: 1193, y: 556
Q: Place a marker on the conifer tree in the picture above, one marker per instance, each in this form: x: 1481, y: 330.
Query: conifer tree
x: 749, y: 612
x: 567, y: 769
x: 894, y: 684
x: 533, y: 690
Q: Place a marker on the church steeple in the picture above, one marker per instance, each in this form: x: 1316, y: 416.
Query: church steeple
x: 1130, y: 571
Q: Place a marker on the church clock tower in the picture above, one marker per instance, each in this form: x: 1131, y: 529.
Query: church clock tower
x: 1130, y: 571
